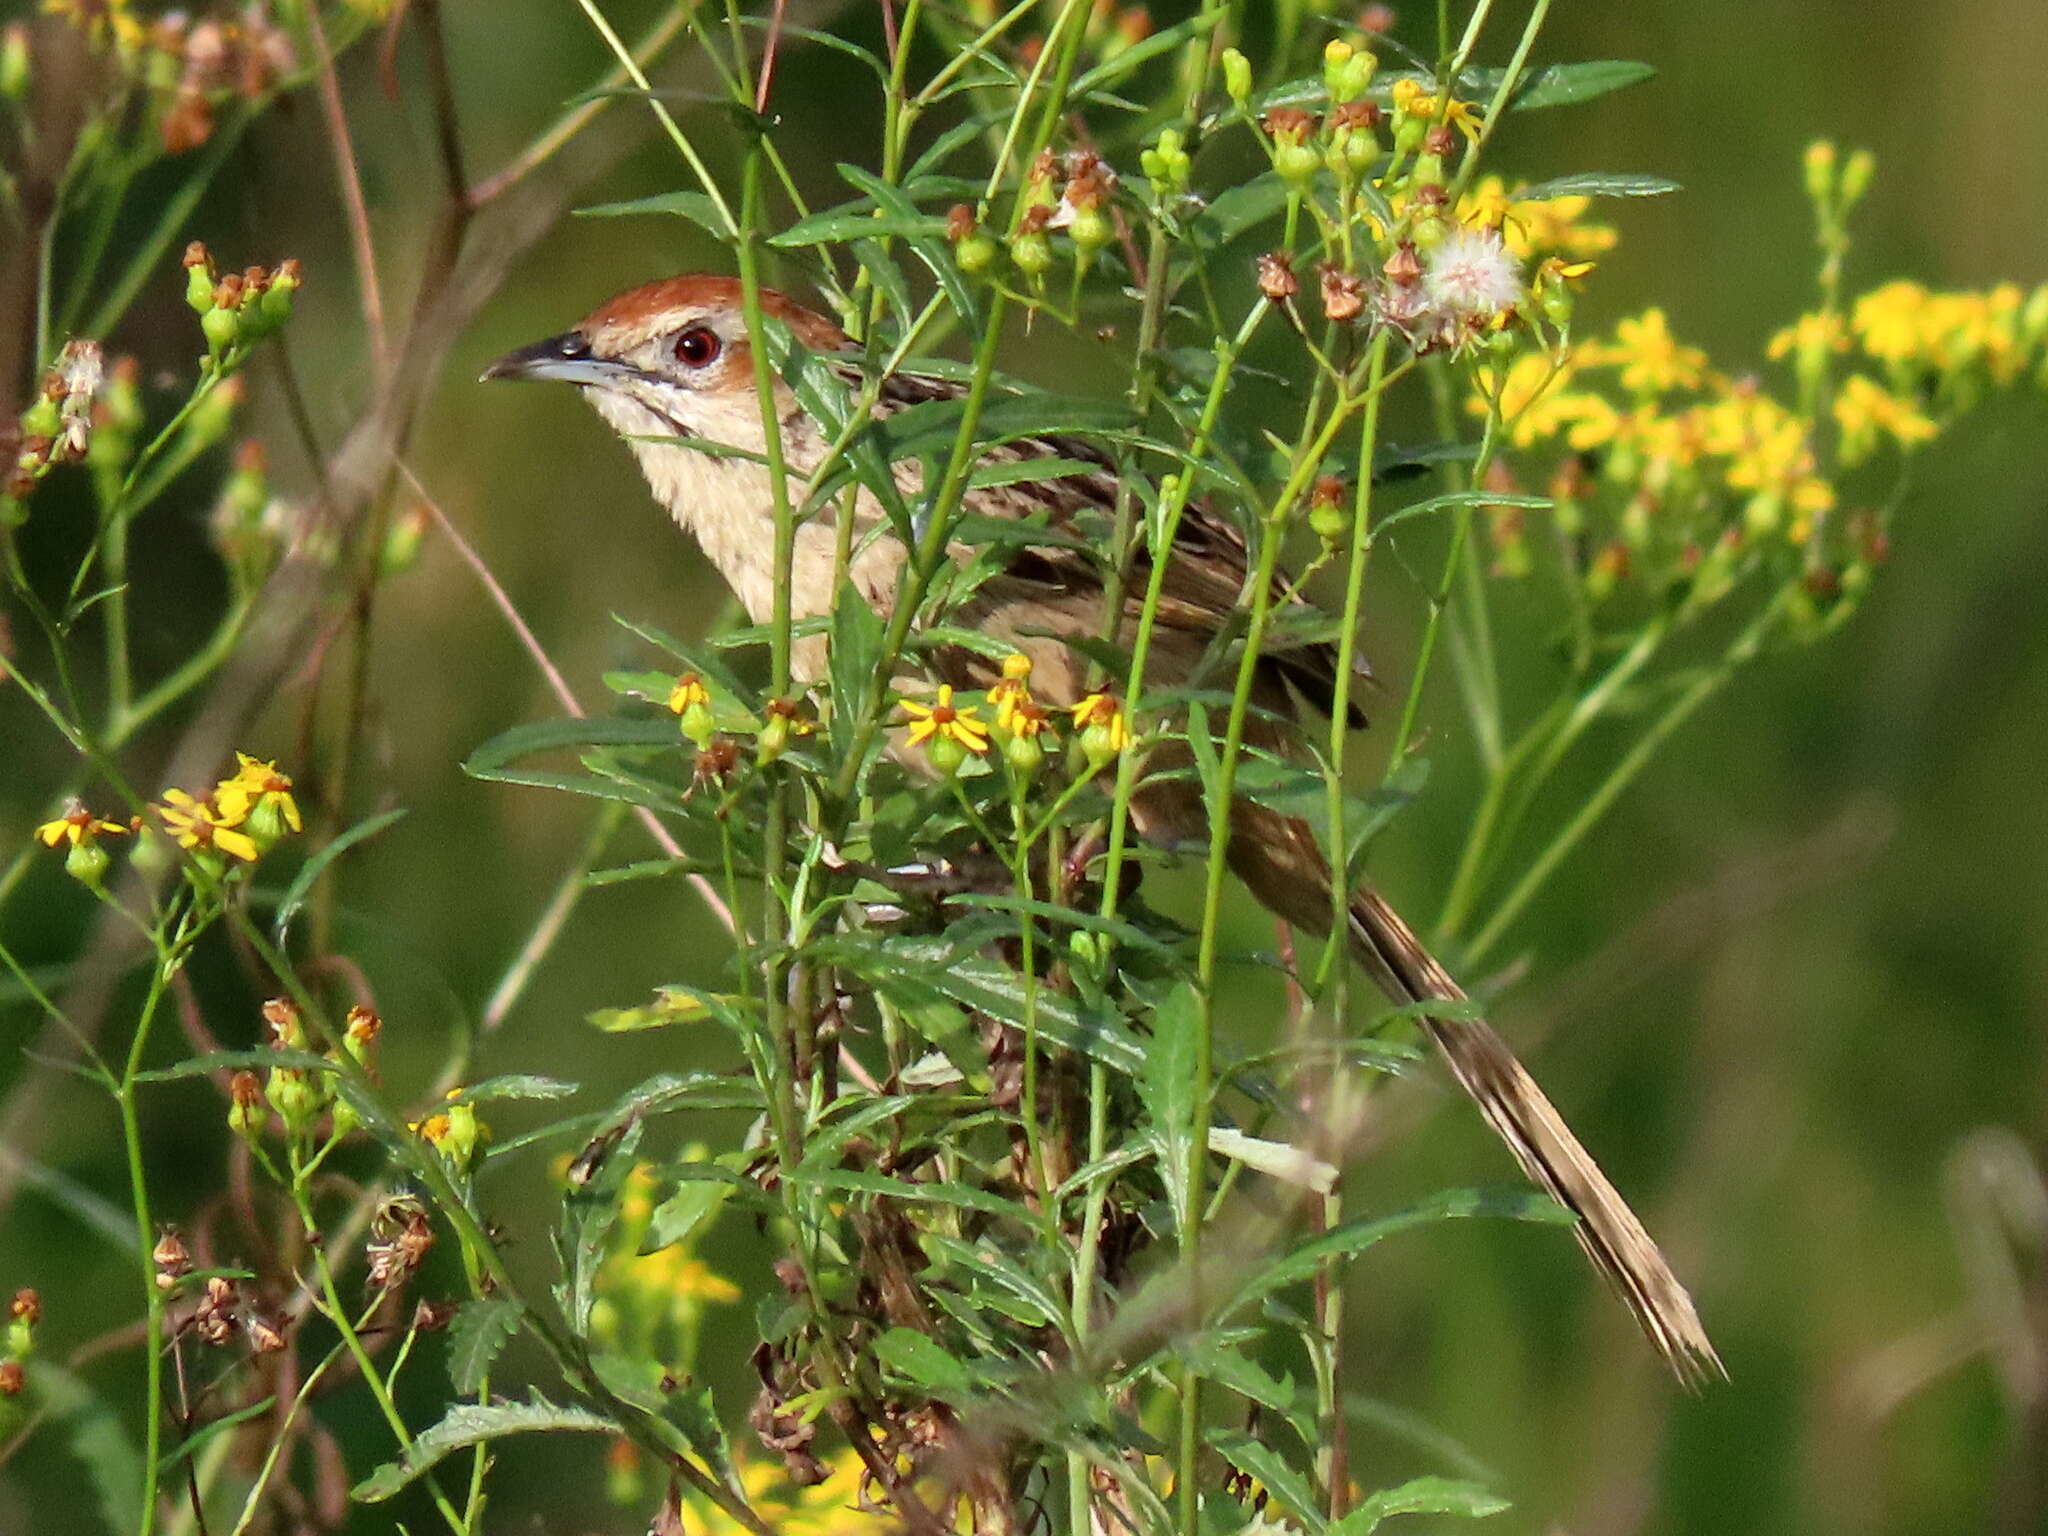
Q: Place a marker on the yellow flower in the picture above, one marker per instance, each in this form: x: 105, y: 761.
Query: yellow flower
x: 943, y: 720
x: 1867, y: 412
x: 1105, y: 728
x: 1809, y: 335
x: 1461, y: 115
x: 1888, y: 321
x: 689, y: 693
x: 258, y: 786
x: 1650, y: 357
x: 203, y: 827
x: 77, y: 826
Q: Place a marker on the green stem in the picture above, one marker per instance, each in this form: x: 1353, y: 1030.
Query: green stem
x: 1632, y: 763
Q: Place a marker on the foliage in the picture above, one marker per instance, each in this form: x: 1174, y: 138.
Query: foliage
x: 1058, y: 1246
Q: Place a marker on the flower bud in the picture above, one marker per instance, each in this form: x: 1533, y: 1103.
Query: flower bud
x: 945, y: 755
x: 402, y: 541
x: 1024, y: 753
x: 359, y: 1034
x: 297, y: 1101
x: 248, y: 1115
x: 1856, y: 177
x: 276, y: 302
x: 774, y: 738
x: 1237, y: 76
x: 23, y: 1313
x: 1166, y: 164
x: 1328, y: 516
x: 221, y: 327
x: 87, y: 863
x: 171, y: 1258
x: 1031, y: 254
x: 198, y: 277
x: 1819, y: 167
x: 14, y: 63
x: 42, y: 419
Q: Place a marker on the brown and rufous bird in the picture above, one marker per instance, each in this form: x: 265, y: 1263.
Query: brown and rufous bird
x: 669, y: 365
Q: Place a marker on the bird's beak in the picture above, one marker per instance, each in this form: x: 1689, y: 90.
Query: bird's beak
x: 563, y: 359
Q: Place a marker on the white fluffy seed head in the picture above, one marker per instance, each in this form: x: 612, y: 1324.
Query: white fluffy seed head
x: 1472, y: 273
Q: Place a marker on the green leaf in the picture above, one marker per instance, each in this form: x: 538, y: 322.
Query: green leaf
x: 677, y: 1004
x: 1423, y: 1496
x: 588, y: 1216
x: 1242, y: 207
x: 1598, y: 184
x: 694, y: 206
x: 302, y: 883
x: 919, y: 1357
x: 854, y: 220
x: 990, y: 1263
x: 931, y: 249
x: 255, y: 1059
x: 1454, y: 499
x: 516, y: 1085
x: 855, y: 657
x: 1275, y: 1159
x: 193, y: 1444
x: 480, y: 1330
x: 694, y: 1202
x: 1569, y: 85
x: 469, y: 1424
x: 705, y: 662
x: 931, y: 426
x: 1281, y: 1481
x: 1354, y: 1237
x: 936, y: 1192
x: 1168, y: 1087
x: 1128, y: 60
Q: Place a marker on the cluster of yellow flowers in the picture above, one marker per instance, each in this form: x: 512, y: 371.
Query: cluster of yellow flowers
x: 242, y: 817
x: 950, y: 733
x: 650, y: 1305
x: 1689, y: 455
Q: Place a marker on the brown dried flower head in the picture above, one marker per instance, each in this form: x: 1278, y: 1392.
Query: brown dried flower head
x: 1276, y: 276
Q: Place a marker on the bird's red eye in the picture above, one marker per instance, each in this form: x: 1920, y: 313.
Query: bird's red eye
x: 697, y: 346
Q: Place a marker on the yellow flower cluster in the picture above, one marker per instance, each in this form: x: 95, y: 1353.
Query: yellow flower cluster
x: 1917, y: 332
x: 1551, y: 226
x: 641, y: 1296
x: 241, y: 816
x: 951, y: 732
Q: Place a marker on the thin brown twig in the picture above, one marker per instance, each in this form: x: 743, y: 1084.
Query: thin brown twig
x: 557, y: 684
x: 349, y: 175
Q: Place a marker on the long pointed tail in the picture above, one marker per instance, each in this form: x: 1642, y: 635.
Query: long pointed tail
x: 1277, y: 857
x: 1523, y: 1116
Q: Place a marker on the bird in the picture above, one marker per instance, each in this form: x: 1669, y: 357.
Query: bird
x: 669, y: 366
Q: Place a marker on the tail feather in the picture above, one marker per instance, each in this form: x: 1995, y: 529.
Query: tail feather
x: 1616, y: 1242
x: 1277, y: 857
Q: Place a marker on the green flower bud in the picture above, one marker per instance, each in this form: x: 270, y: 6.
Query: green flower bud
x: 1090, y: 231
x: 221, y: 327
x: 198, y: 280
x: 774, y: 738
x: 1856, y: 177
x: 14, y: 61
x: 1024, y: 754
x: 1166, y: 164
x: 276, y: 302
x: 946, y: 755
x: 295, y: 1097
x: 248, y: 1114
x: 1031, y: 254
x: 87, y: 863
x: 43, y: 419
x: 1297, y: 165
x: 1819, y: 167
x: 1237, y: 76
x: 975, y: 255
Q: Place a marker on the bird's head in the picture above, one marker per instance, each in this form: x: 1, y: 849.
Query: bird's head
x: 671, y: 359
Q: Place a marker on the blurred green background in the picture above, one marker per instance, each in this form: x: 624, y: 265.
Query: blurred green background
x: 1793, y: 992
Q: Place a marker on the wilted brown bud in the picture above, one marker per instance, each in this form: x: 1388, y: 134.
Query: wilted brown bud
x: 1440, y: 141
x: 196, y: 255
x: 27, y: 1306
x: 286, y: 1033
x: 1276, y: 277
x: 715, y: 764
x: 188, y: 124
x: 1358, y: 113
x: 254, y: 281
x: 1430, y: 195
x: 960, y: 222
x: 433, y: 1316
x: 1035, y: 219
x: 1343, y: 295
x: 1404, y: 266
x: 264, y: 1336
x: 1289, y: 125
x: 227, y: 293
x: 1377, y: 18
x: 172, y: 1258
x: 1823, y: 583
x: 12, y: 1378
x: 1328, y: 491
